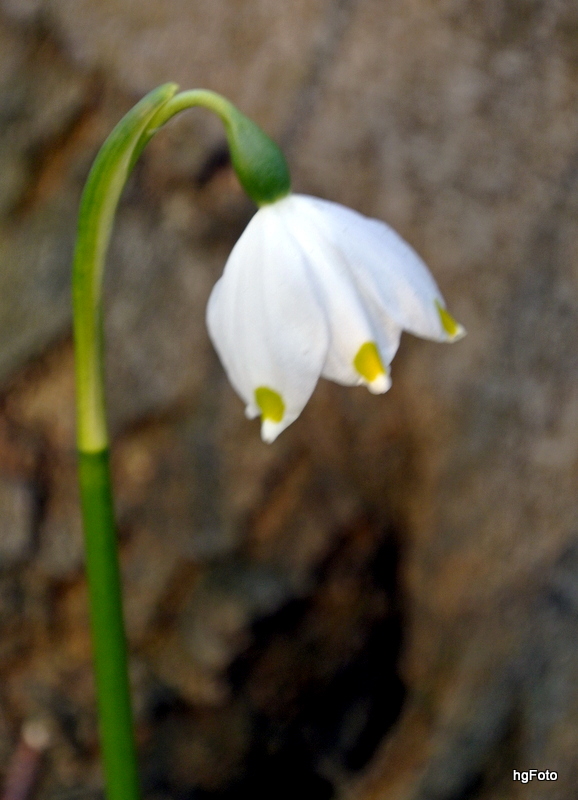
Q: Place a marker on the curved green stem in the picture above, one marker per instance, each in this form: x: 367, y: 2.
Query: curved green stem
x: 98, y: 205
x: 99, y: 201
x: 263, y: 173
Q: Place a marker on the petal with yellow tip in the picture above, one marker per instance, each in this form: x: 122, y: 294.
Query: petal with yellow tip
x: 266, y: 321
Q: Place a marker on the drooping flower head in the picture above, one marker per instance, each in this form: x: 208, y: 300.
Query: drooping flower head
x: 315, y: 289
x: 310, y: 289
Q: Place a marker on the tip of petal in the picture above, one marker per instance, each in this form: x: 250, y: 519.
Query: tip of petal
x: 459, y: 334
x: 272, y: 409
x: 371, y: 369
x: 451, y: 327
x: 380, y: 384
x: 270, y: 430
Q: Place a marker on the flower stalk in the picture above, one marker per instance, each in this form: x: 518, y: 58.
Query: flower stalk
x: 263, y: 173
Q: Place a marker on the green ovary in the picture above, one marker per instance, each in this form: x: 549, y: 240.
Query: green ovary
x: 368, y: 362
x: 270, y: 402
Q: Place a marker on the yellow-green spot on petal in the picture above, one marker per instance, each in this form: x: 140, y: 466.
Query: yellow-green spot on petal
x: 368, y: 362
x: 453, y: 329
x: 270, y: 402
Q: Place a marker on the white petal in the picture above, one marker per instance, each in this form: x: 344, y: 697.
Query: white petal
x: 350, y: 321
x: 387, y: 271
x: 265, y: 319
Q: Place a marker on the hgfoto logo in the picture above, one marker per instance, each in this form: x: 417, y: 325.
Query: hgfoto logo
x: 531, y: 774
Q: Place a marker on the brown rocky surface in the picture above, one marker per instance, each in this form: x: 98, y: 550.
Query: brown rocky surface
x: 381, y: 605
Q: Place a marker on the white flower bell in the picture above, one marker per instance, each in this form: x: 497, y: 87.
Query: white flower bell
x: 315, y: 289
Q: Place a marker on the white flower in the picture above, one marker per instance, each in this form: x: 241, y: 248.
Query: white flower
x: 314, y: 289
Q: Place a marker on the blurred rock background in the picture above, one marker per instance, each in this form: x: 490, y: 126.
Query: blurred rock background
x: 382, y: 605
